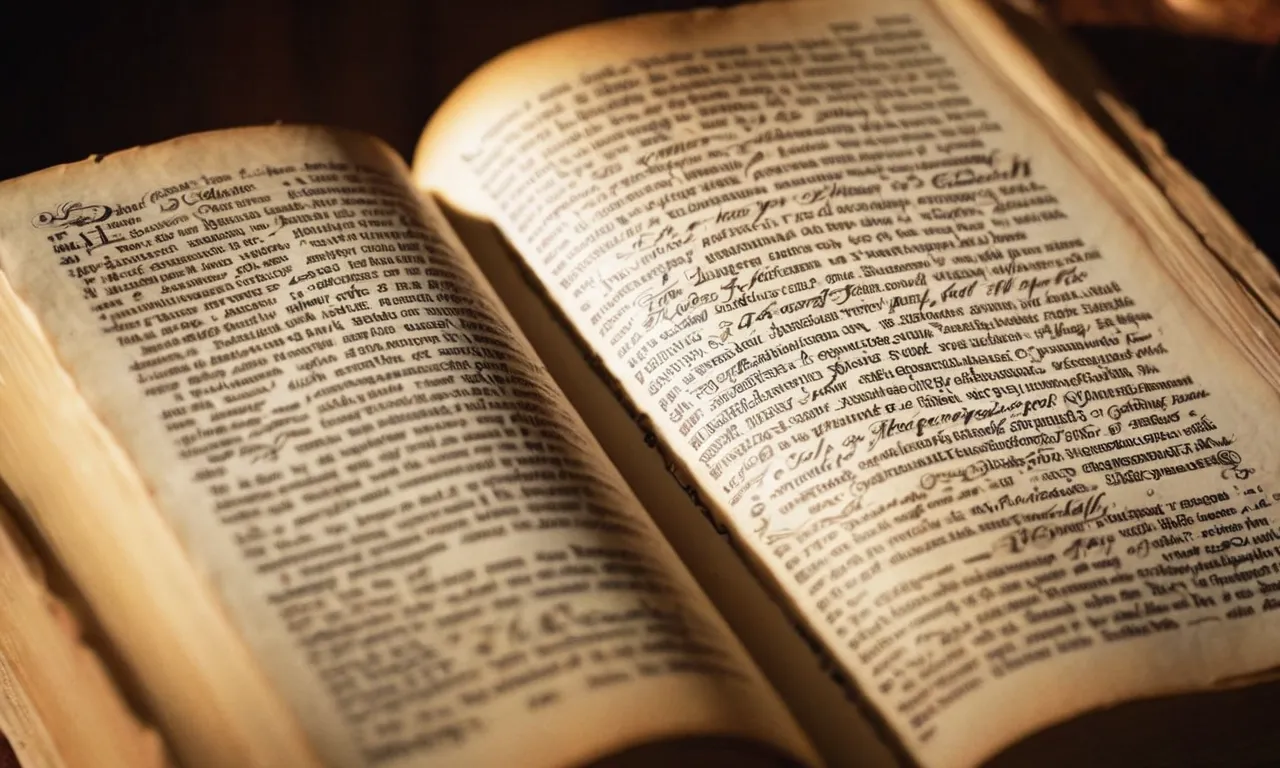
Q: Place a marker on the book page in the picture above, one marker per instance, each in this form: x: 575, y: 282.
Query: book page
x: 426, y: 553
x: 840, y: 732
x: 952, y: 393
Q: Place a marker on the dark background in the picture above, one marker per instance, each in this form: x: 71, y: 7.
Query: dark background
x: 77, y: 80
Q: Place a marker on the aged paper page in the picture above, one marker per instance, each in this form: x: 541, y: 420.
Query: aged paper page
x: 428, y: 555
x: 937, y: 378
x: 838, y: 729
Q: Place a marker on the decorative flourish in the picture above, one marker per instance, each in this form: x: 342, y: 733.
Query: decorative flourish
x: 1231, y: 461
x: 1202, y: 620
x: 266, y: 452
x: 71, y: 214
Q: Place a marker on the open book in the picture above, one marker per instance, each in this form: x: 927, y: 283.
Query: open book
x: 353, y: 465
